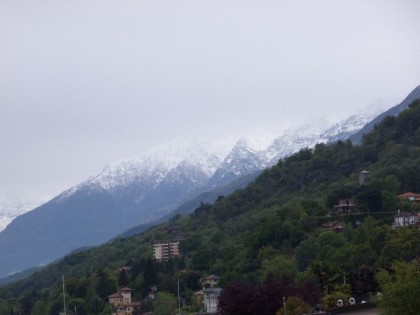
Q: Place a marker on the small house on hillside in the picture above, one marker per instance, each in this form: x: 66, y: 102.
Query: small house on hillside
x: 405, y: 219
x: 121, y: 302
x: 210, y: 281
x: 410, y: 196
x: 208, y: 299
x: 333, y: 226
x: 345, y: 206
x: 364, y: 177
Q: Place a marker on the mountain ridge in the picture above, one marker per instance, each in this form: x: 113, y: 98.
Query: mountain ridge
x: 127, y: 194
x: 268, y: 234
x: 393, y: 111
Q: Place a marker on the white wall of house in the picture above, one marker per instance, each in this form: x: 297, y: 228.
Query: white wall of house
x: 211, y: 299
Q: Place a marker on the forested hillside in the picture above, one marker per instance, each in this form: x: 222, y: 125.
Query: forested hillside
x: 277, y: 237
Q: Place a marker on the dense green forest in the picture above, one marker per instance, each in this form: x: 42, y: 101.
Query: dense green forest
x: 269, y: 240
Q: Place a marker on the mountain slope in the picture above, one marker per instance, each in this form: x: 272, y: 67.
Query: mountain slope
x: 189, y: 206
x: 124, y: 194
x: 251, y: 232
x: 139, y: 191
x: 358, y: 136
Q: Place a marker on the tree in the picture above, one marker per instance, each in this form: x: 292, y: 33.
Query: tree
x: 237, y: 298
x: 279, y: 266
x: 400, y: 289
x: 306, y: 252
x: 40, y: 308
x: 4, y: 309
x: 149, y: 275
x: 333, y: 251
x: 105, y: 285
x: 364, y: 233
x: 295, y: 306
x: 123, y: 278
x: 271, y: 293
x: 165, y: 304
x: 107, y: 310
x: 77, y: 305
x: 96, y: 304
x: 27, y: 302
x: 402, y: 245
x: 370, y: 200
x: 76, y: 287
x: 360, y: 254
x: 309, y: 291
x: 242, y: 297
x: 341, y: 292
x: 55, y: 307
x: 201, y: 260
x: 363, y: 281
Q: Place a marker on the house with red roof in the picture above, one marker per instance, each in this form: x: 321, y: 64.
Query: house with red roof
x: 210, y: 281
x: 121, y: 302
x: 410, y: 196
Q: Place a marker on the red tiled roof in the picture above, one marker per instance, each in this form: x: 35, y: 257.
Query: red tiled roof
x: 126, y: 289
x: 212, y: 277
x: 115, y: 295
x: 409, y: 194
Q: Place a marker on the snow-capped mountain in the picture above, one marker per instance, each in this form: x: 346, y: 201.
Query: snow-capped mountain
x: 155, y: 165
x: 309, y: 135
x: 347, y: 127
x: 143, y: 189
x: 242, y: 160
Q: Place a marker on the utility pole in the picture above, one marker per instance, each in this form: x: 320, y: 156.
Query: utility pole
x: 179, y: 300
x: 284, y: 305
x: 64, y: 298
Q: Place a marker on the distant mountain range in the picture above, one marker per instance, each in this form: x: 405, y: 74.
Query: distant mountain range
x: 157, y: 184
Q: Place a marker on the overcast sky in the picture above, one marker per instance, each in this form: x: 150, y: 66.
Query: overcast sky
x: 84, y: 83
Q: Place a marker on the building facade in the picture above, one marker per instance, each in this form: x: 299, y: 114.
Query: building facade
x: 211, y: 300
x: 163, y: 250
x: 345, y: 206
x: 405, y: 219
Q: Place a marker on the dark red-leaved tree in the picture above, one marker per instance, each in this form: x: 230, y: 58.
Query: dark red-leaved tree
x: 271, y: 293
x: 237, y: 297
x: 242, y: 297
x: 309, y: 291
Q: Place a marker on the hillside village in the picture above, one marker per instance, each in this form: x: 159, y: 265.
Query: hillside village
x: 329, y: 229
x: 207, y: 297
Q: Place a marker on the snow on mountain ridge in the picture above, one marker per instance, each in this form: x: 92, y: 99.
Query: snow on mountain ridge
x: 154, y: 165
x: 204, y: 158
x: 219, y: 158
